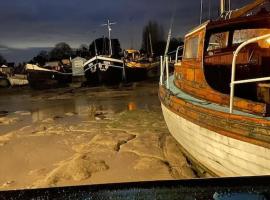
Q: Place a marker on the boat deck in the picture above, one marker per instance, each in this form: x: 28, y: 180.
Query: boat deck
x: 206, y: 104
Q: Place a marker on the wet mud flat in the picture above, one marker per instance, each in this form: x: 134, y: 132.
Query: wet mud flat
x: 64, y: 137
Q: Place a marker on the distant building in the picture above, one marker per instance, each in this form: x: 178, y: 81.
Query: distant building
x: 77, y: 66
x: 6, y: 70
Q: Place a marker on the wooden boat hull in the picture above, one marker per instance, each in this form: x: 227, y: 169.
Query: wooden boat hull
x: 104, y: 70
x: 91, y: 77
x: 18, y: 80
x: 109, y: 77
x: 136, y: 74
x: 141, y: 71
x: 215, y: 142
x: 47, y: 79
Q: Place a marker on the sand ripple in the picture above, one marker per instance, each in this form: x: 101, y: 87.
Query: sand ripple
x: 79, y: 167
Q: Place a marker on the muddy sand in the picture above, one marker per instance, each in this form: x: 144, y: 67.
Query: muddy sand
x: 69, y: 137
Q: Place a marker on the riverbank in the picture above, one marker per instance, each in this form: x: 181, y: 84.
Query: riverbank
x: 86, y: 136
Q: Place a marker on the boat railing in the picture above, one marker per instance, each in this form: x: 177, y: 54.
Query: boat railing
x: 233, y: 82
x: 177, y: 52
x: 164, y: 65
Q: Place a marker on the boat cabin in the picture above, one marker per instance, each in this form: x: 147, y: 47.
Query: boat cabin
x: 132, y: 55
x: 206, y: 68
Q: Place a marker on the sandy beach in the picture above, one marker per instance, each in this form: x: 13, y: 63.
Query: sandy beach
x: 66, y: 137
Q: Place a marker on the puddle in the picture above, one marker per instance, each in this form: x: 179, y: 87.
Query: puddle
x: 60, y: 104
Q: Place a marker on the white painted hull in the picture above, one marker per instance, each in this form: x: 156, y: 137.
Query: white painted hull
x: 222, y: 155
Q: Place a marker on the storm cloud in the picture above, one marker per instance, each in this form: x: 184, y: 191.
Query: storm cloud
x: 30, y: 25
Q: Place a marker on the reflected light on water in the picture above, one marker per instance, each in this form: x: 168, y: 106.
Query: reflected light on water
x: 132, y: 106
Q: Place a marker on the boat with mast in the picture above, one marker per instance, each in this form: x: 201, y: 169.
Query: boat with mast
x: 105, y: 69
x: 216, y: 104
x: 138, y: 66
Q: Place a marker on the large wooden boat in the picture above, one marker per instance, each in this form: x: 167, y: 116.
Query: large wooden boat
x: 139, y: 67
x: 48, y: 76
x: 223, y: 130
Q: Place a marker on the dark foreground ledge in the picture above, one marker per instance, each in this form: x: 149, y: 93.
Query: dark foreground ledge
x: 200, y: 189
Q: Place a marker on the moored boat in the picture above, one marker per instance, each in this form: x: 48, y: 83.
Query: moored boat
x: 48, y: 76
x: 138, y: 67
x: 216, y: 104
x: 18, y: 80
x: 104, y: 70
x: 105, y: 67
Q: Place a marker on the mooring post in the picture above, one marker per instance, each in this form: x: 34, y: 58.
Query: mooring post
x: 124, y: 78
x: 167, y: 70
x: 161, y: 70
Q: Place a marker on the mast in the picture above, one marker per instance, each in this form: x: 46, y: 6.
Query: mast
x: 209, y: 9
x: 225, y: 5
x: 247, y: 8
x: 109, y: 33
x: 151, y: 47
x: 95, y: 48
x: 201, y: 12
x: 222, y: 6
x: 147, y: 45
x: 169, y: 36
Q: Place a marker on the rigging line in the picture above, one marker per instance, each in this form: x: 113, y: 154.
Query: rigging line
x: 201, y: 12
x: 169, y: 34
x: 209, y: 9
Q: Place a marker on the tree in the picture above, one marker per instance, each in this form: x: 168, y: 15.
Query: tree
x: 100, y: 46
x: 2, y: 60
x: 153, y: 35
x: 174, y: 43
x: 83, y: 51
x: 116, y: 48
x: 41, y: 58
x: 61, y: 51
x: 20, y: 68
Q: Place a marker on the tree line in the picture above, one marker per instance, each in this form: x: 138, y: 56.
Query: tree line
x: 2, y: 60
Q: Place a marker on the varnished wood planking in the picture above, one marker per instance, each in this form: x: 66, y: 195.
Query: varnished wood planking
x: 189, y: 76
x: 243, y: 128
x: 177, y: 131
x: 199, y: 88
x: 223, y: 163
x: 226, y: 59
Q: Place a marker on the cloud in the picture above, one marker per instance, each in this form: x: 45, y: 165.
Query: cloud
x: 43, y: 23
x: 3, y: 48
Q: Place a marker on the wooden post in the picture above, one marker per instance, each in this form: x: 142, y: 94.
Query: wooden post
x: 161, y: 71
x: 167, y: 71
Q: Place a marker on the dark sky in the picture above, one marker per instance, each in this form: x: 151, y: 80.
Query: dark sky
x: 27, y: 26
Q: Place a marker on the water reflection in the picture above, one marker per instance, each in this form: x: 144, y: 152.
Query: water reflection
x: 61, y: 103
x: 84, y: 106
x: 50, y: 112
x: 132, y: 106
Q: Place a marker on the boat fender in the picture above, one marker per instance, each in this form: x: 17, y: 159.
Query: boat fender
x: 93, y: 68
x: 103, y: 67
